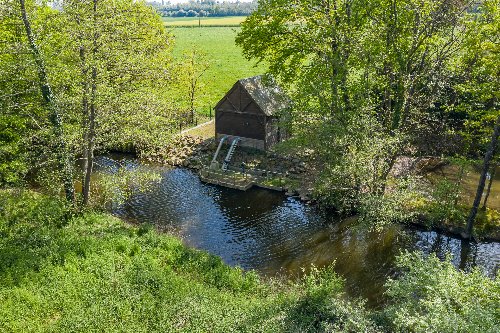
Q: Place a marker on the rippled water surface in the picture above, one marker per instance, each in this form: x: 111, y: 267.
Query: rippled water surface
x: 275, y: 234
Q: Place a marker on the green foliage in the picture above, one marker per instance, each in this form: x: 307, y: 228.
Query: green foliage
x: 397, y: 205
x: 442, y: 206
x: 487, y: 222
x: 476, y: 74
x: 369, y: 80
x: 13, y: 165
x: 20, y: 106
x: 95, y: 273
x: 433, y: 296
x: 219, y: 9
x: 117, y: 187
x: 362, y: 76
x: 130, y: 50
x: 317, y: 311
x: 189, y: 89
x: 116, y: 60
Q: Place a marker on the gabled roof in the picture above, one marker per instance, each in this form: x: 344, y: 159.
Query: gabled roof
x: 266, y: 93
x: 268, y: 96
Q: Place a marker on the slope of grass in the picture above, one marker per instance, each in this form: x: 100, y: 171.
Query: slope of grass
x: 93, y: 272
x: 227, y: 64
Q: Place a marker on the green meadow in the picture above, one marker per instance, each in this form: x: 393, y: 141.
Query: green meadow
x: 226, y: 61
x: 230, y: 21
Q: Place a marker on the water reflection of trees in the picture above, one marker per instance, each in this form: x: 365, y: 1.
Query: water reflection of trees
x: 265, y: 230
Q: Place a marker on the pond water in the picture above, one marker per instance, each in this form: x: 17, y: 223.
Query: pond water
x: 279, y: 235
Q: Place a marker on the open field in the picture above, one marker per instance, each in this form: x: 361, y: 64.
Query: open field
x: 230, y: 21
x: 227, y: 63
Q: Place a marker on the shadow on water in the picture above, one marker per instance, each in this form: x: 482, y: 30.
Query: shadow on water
x: 275, y: 234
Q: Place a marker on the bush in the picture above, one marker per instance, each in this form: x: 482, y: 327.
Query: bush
x: 13, y: 164
x: 442, y: 207
x: 433, y: 296
x: 397, y: 205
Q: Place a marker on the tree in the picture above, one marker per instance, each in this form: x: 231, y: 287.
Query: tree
x: 191, y: 68
x: 63, y: 157
x: 479, y: 61
x: 123, y: 53
x: 363, y: 76
x: 15, y: 122
x: 109, y: 64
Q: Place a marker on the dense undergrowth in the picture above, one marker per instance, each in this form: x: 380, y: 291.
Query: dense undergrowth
x: 61, y: 272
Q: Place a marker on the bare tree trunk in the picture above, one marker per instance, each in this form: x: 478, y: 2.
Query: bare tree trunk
x: 482, y: 179
x: 85, y: 112
x: 488, y: 190
x: 92, y: 116
x: 90, y: 138
x: 191, y: 99
x: 63, y: 158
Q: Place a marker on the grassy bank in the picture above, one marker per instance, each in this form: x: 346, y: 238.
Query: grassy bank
x: 227, y: 64
x: 92, y: 272
x: 61, y: 272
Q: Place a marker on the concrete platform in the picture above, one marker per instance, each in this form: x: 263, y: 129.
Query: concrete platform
x: 235, y: 180
x: 228, y: 178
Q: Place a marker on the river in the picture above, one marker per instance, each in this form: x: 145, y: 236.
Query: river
x: 279, y: 235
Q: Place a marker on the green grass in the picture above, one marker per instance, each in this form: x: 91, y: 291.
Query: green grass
x: 206, y: 131
x: 91, y: 272
x: 230, y: 21
x: 94, y: 273
x: 227, y: 64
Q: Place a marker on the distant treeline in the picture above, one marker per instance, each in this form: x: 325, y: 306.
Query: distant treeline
x: 205, y: 8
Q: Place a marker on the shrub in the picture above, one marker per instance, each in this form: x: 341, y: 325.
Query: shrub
x: 433, y: 296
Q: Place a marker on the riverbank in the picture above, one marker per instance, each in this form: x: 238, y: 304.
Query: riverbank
x: 93, y: 272
x: 195, y: 151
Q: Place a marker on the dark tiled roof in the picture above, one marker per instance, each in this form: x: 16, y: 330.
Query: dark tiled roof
x: 266, y: 93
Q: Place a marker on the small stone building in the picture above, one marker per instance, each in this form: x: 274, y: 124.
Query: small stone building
x: 250, y: 111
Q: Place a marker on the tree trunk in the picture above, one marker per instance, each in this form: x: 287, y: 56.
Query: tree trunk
x: 92, y: 115
x: 191, y: 99
x: 488, y: 190
x: 91, y: 139
x: 85, y: 114
x: 63, y: 158
x: 482, y: 179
